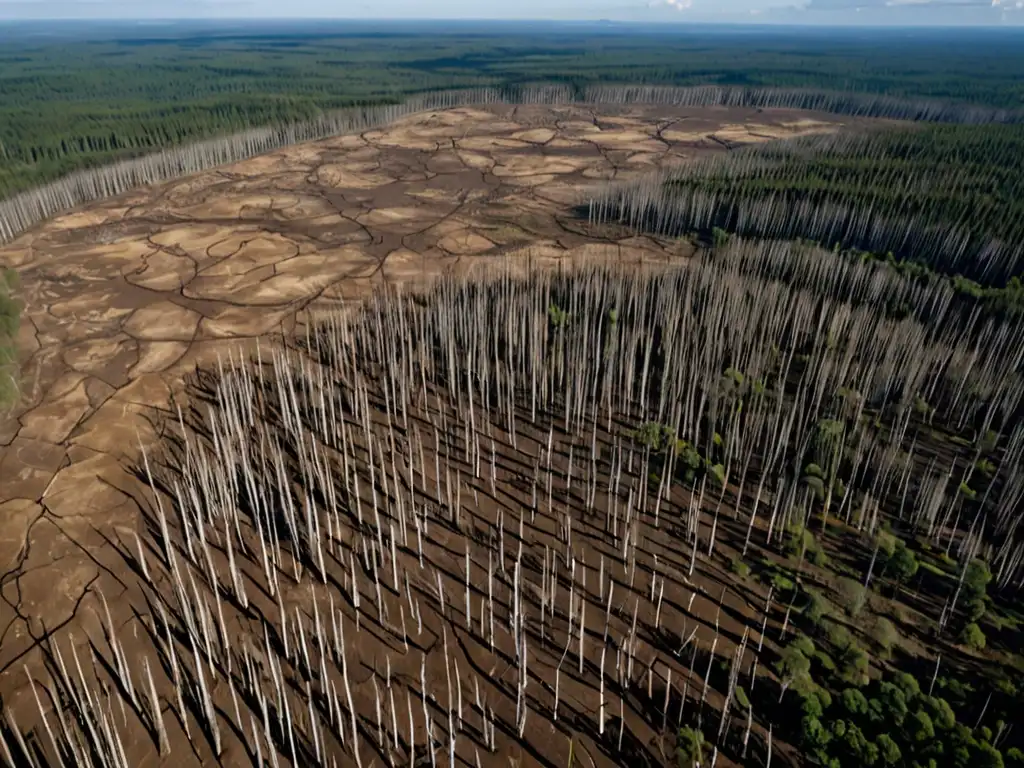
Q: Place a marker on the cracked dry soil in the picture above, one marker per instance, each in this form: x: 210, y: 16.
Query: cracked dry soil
x: 126, y: 296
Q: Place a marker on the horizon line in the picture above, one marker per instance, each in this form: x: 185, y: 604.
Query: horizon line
x: 753, y: 22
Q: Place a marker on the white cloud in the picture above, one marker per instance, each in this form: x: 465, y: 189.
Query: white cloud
x: 679, y: 5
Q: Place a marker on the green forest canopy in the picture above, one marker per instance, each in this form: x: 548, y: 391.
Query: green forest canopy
x: 958, y: 188
x: 67, y: 104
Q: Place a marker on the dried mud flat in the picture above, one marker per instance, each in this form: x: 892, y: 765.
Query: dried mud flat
x: 125, y: 297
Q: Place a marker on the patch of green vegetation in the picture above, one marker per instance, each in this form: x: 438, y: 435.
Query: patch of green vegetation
x: 852, y: 595
x: 802, y: 542
x: 10, y: 321
x: 740, y: 568
x: 900, y: 564
x: 888, y: 722
x: 972, y: 637
x: 976, y: 578
x: 782, y: 583
x: 558, y: 316
x: 926, y: 565
x: 885, y: 635
x: 690, y: 747
x: 957, y: 173
x: 817, y: 607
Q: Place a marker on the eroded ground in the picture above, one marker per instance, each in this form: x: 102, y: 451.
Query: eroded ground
x: 126, y: 296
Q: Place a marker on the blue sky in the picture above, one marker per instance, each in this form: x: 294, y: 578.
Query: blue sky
x: 868, y: 12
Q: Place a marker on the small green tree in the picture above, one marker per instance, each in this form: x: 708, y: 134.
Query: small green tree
x: 984, y: 755
x: 942, y: 714
x: 919, y: 727
x: 817, y: 608
x: 890, y: 706
x: 976, y: 579
x: 973, y: 637
x: 888, y: 750
x: 813, y: 735
x: 885, y: 634
x: 853, y: 665
x: 838, y: 636
x: 907, y: 683
x: 902, y: 565
x: 886, y: 543
x: 794, y: 666
x: 854, y: 702
x: 852, y: 595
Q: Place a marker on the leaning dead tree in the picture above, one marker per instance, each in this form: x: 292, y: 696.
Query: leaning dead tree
x: 491, y: 516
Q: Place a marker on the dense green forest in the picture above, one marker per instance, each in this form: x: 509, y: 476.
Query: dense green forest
x: 935, y: 200
x: 67, y: 104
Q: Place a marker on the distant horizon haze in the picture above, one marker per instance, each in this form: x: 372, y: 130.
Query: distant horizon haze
x: 816, y: 13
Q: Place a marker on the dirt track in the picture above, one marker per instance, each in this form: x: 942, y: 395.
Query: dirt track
x: 126, y: 296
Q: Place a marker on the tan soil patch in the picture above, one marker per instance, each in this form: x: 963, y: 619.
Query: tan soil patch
x: 163, y: 321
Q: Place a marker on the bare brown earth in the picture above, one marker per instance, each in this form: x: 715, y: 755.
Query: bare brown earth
x: 126, y: 296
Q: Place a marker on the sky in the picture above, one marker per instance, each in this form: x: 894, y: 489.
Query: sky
x: 830, y: 12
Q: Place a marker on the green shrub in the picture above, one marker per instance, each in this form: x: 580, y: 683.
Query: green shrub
x: 794, y: 664
x: 888, y: 750
x: 886, y: 543
x: 838, y: 636
x: 854, y: 702
x: 717, y: 472
x: 1005, y: 686
x: 557, y: 315
x: 819, y: 558
x: 817, y: 608
x: 782, y: 583
x: 813, y: 470
x: 919, y: 727
x: 852, y: 595
x: 802, y: 540
x: 975, y: 583
x: 854, y: 663
x: 885, y: 634
x: 933, y: 569
x: 941, y: 713
x: 973, y: 637
x: 689, y: 747
x: 825, y: 661
x: 741, y: 697
x: 986, y: 467
x: 740, y: 568
x: 902, y: 564
x: 653, y: 435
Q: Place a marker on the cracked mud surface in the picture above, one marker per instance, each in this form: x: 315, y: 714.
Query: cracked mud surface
x: 126, y: 296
